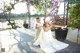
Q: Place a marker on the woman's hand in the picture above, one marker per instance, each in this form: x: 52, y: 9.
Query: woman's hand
x: 63, y: 27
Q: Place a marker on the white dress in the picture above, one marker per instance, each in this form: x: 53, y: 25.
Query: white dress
x: 49, y: 44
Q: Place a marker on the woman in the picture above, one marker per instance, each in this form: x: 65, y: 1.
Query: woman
x: 46, y: 41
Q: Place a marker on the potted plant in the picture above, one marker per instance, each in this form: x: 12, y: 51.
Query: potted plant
x: 74, y: 13
x: 25, y: 24
x: 60, y: 34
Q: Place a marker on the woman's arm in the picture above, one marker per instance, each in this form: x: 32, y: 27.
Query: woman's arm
x: 51, y: 25
x: 58, y: 26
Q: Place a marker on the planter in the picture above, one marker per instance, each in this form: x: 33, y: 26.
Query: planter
x: 25, y: 25
x: 52, y: 29
x: 61, y: 34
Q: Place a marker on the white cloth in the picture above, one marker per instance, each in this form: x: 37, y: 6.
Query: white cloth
x: 39, y: 24
x: 48, y: 44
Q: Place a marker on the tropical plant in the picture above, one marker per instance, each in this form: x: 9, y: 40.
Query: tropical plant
x: 74, y: 13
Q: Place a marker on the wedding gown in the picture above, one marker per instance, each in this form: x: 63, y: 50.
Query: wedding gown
x: 49, y: 44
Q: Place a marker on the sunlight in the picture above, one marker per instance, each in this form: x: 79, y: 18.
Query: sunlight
x: 20, y: 8
x: 61, y: 8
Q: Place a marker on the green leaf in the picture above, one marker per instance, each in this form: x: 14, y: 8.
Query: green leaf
x: 74, y: 13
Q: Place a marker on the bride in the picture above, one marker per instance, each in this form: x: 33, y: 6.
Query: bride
x: 46, y: 41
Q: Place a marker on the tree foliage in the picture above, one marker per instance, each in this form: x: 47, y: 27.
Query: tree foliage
x: 75, y: 16
x: 40, y: 5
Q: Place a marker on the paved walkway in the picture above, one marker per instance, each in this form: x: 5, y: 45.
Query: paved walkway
x: 72, y: 35
x: 21, y: 40
x: 18, y: 41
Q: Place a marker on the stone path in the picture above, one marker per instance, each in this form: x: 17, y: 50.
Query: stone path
x: 19, y: 41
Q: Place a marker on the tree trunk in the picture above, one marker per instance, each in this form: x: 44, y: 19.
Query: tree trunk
x: 78, y: 35
x: 8, y: 19
x: 28, y: 8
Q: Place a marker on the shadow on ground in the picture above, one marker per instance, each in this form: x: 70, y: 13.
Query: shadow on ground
x: 72, y: 48
x: 25, y: 42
